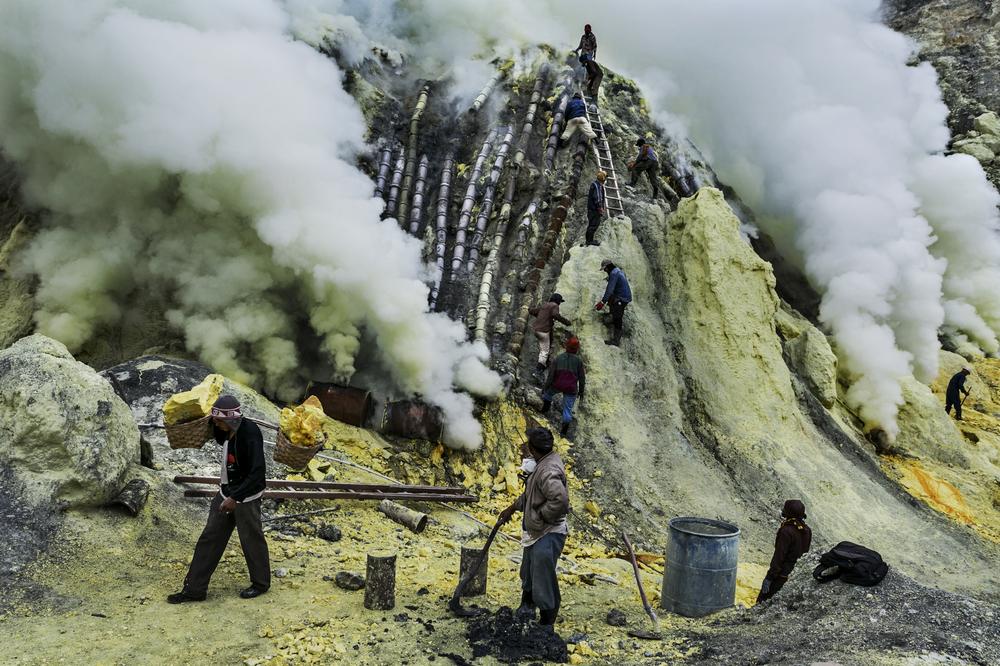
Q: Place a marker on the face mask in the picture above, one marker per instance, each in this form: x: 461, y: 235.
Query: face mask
x: 528, y: 465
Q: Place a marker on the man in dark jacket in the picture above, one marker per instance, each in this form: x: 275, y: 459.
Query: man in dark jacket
x: 545, y: 503
x: 956, y: 385
x: 645, y: 163
x: 588, y: 43
x: 619, y: 294
x: 242, y: 483
x: 596, y: 206
x: 793, y: 540
x: 566, y: 376
x: 576, y: 119
x: 543, y: 326
x: 595, y: 74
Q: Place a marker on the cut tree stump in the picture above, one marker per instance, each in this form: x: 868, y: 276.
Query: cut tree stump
x: 412, y: 520
x: 380, y: 582
x: 477, y: 585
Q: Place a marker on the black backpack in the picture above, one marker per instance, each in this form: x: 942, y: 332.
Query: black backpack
x: 852, y: 564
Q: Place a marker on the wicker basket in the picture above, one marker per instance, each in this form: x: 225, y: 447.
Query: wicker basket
x: 295, y: 457
x: 190, y: 434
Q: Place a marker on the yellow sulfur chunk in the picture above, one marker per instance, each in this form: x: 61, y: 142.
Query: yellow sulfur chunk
x: 194, y: 404
x: 592, y: 508
x: 303, y: 425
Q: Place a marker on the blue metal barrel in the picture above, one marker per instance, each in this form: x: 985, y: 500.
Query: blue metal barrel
x: 700, y: 573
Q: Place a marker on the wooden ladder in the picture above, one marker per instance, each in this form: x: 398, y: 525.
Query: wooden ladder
x: 604, y: 159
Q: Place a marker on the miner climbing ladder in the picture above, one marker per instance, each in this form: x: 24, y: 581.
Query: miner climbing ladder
x: 604, y: 160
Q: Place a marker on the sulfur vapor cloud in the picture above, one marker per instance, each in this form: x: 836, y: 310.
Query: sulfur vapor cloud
x: 193, y: 153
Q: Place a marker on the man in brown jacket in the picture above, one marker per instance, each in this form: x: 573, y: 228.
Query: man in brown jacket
x: 545, y: 503
x: 546, y: 316
x: 793, y: 539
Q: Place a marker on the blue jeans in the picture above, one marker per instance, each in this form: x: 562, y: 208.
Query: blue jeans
x: 568, y: 402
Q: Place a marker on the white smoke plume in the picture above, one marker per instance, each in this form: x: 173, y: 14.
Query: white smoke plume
x: 192, y: 152
x: 810, y: 109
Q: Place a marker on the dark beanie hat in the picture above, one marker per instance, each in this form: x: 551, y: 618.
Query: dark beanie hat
x: 540, y: 439
x: 794, y: 509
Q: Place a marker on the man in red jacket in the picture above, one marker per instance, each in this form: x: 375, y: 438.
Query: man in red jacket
x: 793, y: 540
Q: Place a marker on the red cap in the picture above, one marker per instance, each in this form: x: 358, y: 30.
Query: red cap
x: 573, y: 345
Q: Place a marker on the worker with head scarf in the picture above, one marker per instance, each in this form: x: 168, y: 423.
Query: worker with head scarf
x: 793, y: 540
x: 545, y: 503
x: 237, y: 506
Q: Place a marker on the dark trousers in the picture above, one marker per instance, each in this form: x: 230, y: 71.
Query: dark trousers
x: 594, y: 85
x: 538, y: 571
x: 618, y: 317
x: 214, y: 538
x: 593, y: 223
x: 776, y: 584
x: 648, y: 167
x: 953, y: 401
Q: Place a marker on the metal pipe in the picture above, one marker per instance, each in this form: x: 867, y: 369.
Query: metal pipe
x: 485, y: 286
x: 342, y: 495
x: 397, y: 177
x: 385, y: 161
x: 556, y: 129
x: 486, y: 205
x: 441, y: 224
x: 331, y: 485
x: 416, y: 213
x: 411, y: 156
x: 458, y: 254
x: 529, y: 117
x: 414, y: 521
x: 487, y: 90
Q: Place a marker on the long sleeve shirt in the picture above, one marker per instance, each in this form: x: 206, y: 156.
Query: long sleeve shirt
x: 618, y: 287
x: 545, y: 317
x: 595, y: 197
x: 588, y: 43
x: 793, y: 539
x: 244, y: 469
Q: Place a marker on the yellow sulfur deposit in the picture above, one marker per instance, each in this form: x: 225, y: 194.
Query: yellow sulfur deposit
x: 194, y: 404
x: 303, y: 425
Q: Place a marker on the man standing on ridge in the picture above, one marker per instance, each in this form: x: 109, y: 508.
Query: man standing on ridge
x: 596, y: 207
x: 955, y: 385
x: 619, y: 294
x: 546, y: 316
x: 645, y: 162
x: 588, y: 43
x: 545, y: 503
x: 576, y: 119
x: 792, y: 541
x: 237, y: 506
x: 566, y: 376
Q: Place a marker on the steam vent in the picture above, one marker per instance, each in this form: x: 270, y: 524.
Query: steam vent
x: 415, y: 332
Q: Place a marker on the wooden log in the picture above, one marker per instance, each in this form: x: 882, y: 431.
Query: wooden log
x: 408, y: 518
x: 380, y: 582
x: 477, y: 584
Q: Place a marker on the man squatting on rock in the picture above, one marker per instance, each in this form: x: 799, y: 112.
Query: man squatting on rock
x: 619, y: 294
x: 236, y: 506
x: 793, y: 540
x: 955, y: 385
x: 546, y: 316
x: 545, y: 503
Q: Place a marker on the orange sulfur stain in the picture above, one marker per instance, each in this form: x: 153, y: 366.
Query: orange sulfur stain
x: 939, y: 494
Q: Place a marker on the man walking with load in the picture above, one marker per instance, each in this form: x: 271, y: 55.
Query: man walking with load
x: 647, y: 163
x: 618, y: 294
x: 545, y: 503
x: 956, y: 385
x: 237, y: 506
x: 546, y: 317
x: 566, y: 376
x: 792, y: 541
x: 596, y: 206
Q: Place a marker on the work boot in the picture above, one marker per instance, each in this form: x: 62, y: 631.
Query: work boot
x: 565, y: 428
x: 251, y: 593
x: 616, y: 338
x: 548, y: 617
x: 527, y: 607
x: 546, y: 406
x: 182, y: 597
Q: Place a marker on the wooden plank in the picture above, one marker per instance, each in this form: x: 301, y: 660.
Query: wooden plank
x: 331, y: 485
x: 342, y: 495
